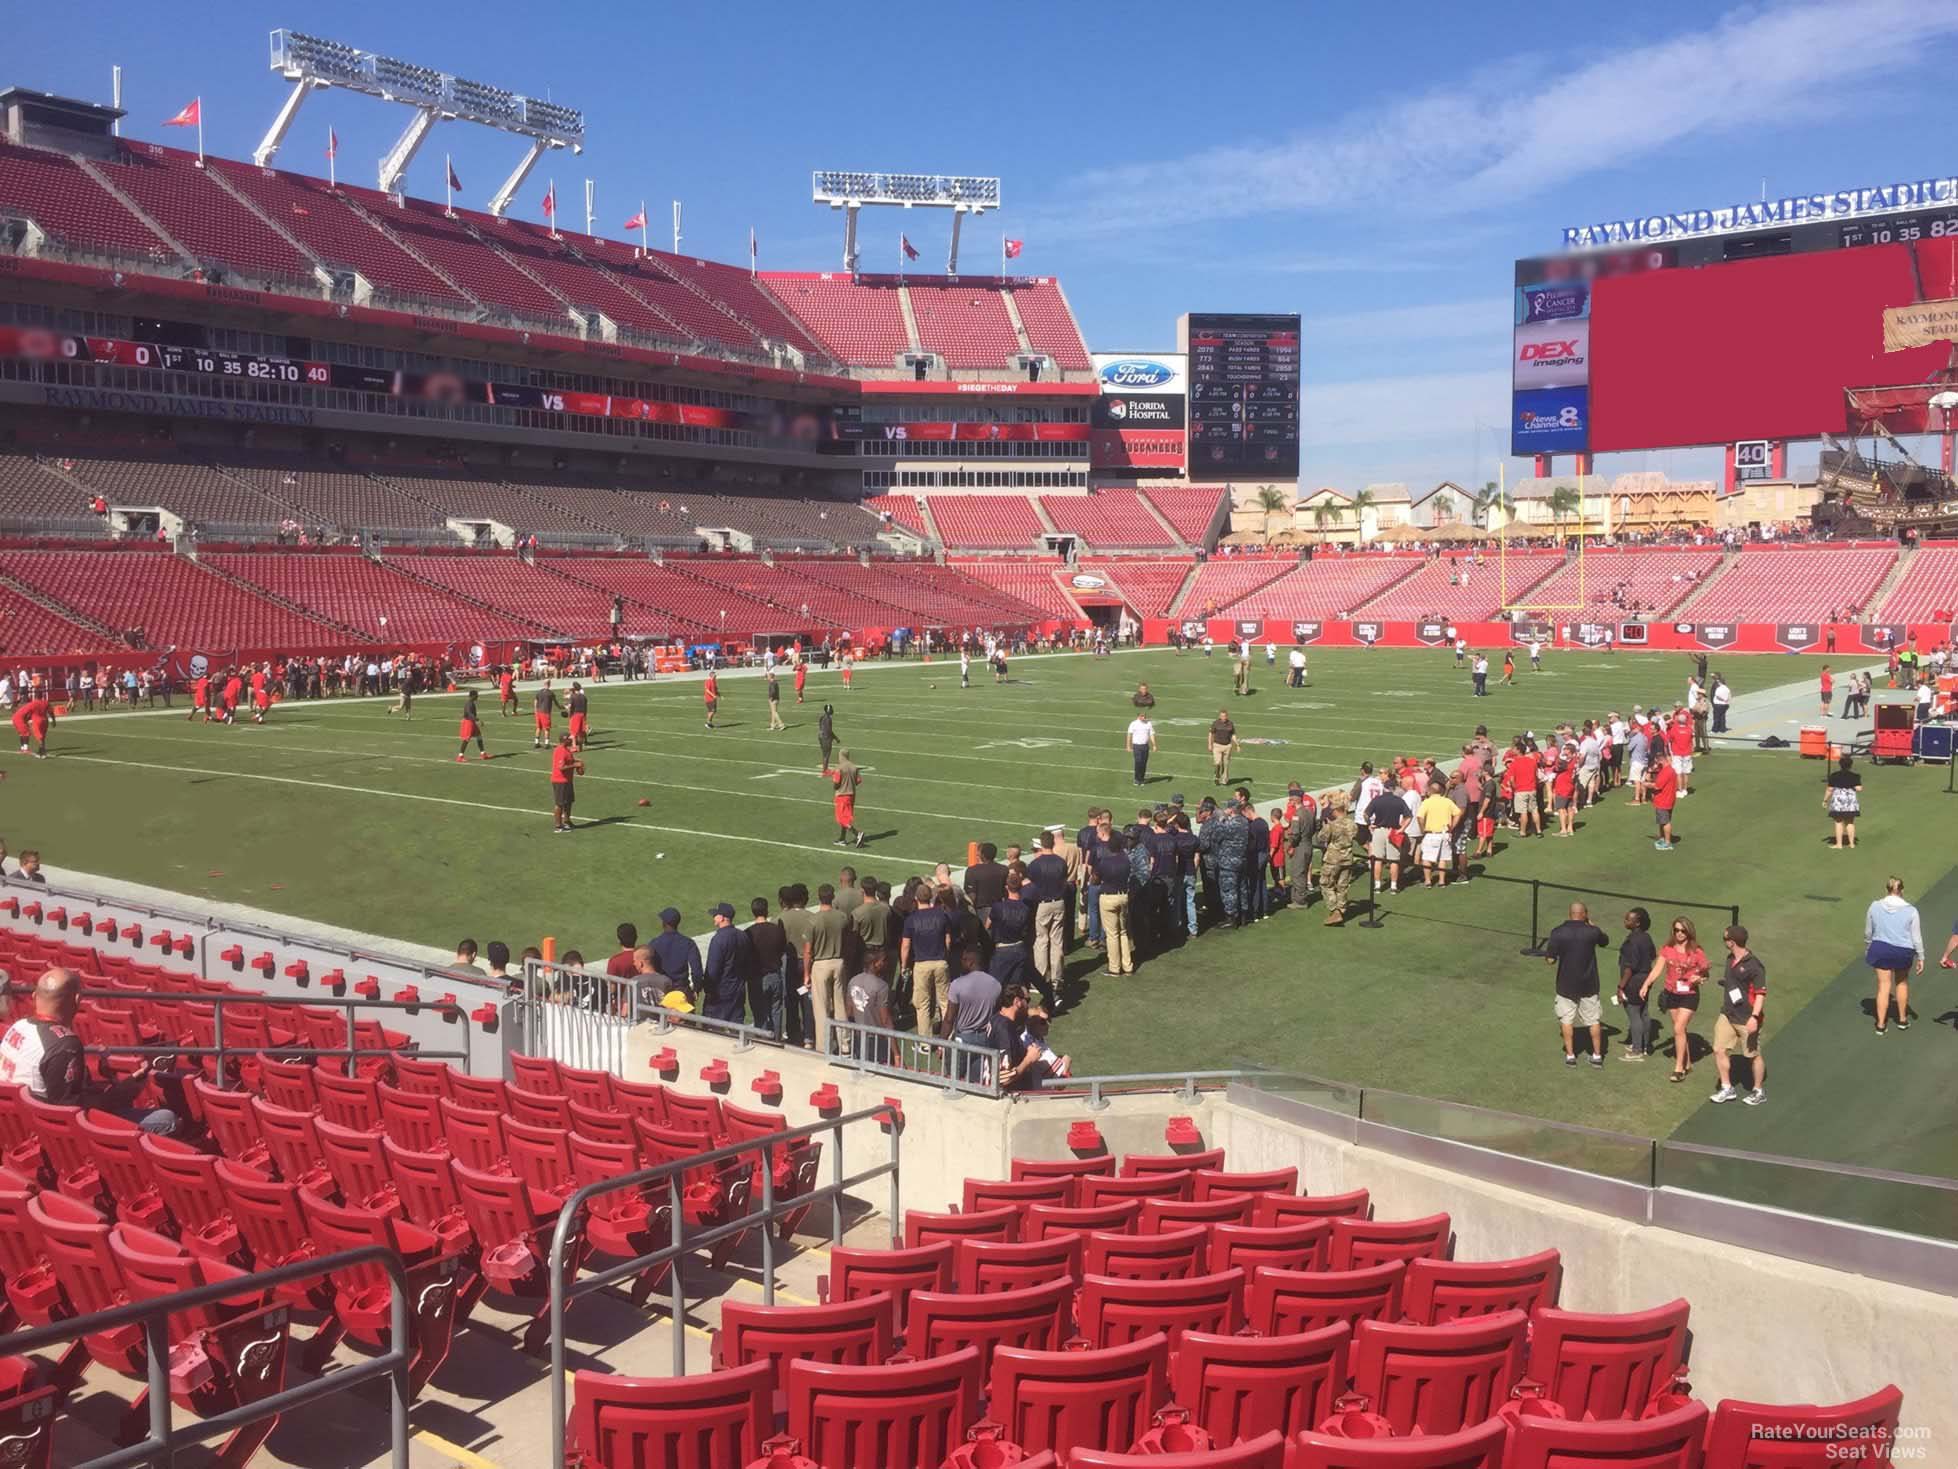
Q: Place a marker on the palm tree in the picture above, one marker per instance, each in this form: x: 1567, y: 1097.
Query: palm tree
x: 1271, y: 500
x: 1444, y: 508
x: 1327, y: 513
x: 1363, y: 501
x: 1565, y: 501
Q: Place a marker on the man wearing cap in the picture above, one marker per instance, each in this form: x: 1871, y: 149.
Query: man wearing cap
x: 726, y: 967
x: 1222, y: 744
x: 1339, y: 844
x: 1301, y: 826
x: 676, y: 958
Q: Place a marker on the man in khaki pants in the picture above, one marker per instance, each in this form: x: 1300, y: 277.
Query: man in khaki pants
x: 924, y: 949
x: 1047, y: 882
x: 1111, y: 862
x: 822, y: 964
x: 1241, y: 668
x: 1223, y: 744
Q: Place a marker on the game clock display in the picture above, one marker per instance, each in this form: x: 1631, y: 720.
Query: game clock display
x: 1244, y: 393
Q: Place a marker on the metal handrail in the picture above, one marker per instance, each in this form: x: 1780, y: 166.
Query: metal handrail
x: 1096, y: 1085
x: 154, y: 1315
x: 562, y: 1294
x: 958, y: 1066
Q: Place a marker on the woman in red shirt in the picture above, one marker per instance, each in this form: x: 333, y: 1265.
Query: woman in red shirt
x: 1683, y: 964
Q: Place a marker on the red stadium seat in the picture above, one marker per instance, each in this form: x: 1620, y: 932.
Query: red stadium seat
x: 66, y: 1146
x: 541, y: 1157
x: 1173, y: 1256
x: 700, y: 1113
x: 274, y: 1229
x: 1480, y: 1447
x: 535, y: 1074
x: 1160, y: 1215
x: 351, y: 1101
x: 1601, y: 1366
x: 482, y: 1093
x: 586, y: 1088
x: 939, y: 1322
x: 293, y: 1139
x: 232, y: 1123
x: 1238, y: 1386
x: 127, y: 1179
x: 712, y: 1418
x: 425, y: 1184
x: 1438, y: 1379
x: 358, y: 1164
x: 412, y: 1118
x: 858, y: 1273
x: 1021, y: 1169
x: 981, y: 1194
x: 1068, y: 1400
x: 1046, y: 1221
x: 1212, y: 1183
x: 1284, y: 1302
x: 1299, y: 1246
x: 288, y: 1084
x: 428, y: 1078
x: 362, y: 1293
x: 641, y: 1099
x: 1274, y: 1209
x: 880, y: 1416
x: 856, y: 1333
x: 1094, y: 1191
x: 1446, y: 1290
x: 921, y: 1228
x: 622, y: 1223
x: 537, y: 1109
x: 1145, y: 1165
x: 512, y: 1223
x: 1674, y: 1440
x: 1766, y: 1436
x: 188, y: 1182
x: 1111, y: 1311
x: 989, y: 1265
x: 1266, y: 1451
x: 604, y: 1127
x: 1357, y: 1243
x: 474, y: 1137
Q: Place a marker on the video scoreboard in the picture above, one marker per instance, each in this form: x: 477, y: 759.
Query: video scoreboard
x: 1244, y: 393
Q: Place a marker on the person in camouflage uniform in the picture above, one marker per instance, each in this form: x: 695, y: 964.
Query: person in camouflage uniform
x: 1227, y: 839
x: 1339, y: 840
x: 1298, y: 853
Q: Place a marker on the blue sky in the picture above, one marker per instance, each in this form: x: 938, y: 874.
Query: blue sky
x: 1377, y: 169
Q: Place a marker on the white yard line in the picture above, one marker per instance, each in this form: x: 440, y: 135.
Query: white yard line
x: 863, y: 855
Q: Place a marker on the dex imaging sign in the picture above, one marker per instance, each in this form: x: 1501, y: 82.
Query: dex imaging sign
x: 1552, y: 354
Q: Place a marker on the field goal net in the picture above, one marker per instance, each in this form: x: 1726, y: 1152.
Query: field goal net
x: 1521, y: 571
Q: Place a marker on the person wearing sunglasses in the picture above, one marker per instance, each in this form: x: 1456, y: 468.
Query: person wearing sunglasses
x: 1682, y: 963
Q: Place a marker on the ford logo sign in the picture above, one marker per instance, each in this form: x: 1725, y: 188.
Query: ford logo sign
x: 1136, y: 372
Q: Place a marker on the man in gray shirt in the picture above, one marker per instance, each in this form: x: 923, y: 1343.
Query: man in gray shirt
x: 972, y: 999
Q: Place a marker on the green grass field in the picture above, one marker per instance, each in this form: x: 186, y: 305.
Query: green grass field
x: 338, y: 812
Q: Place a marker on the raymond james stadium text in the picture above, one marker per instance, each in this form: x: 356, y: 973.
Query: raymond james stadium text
x: 1847, y: 204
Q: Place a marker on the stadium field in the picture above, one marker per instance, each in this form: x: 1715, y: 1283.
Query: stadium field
x: 342, y: 813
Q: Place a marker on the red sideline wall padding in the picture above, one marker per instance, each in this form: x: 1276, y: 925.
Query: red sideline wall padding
x: 1861, y: 638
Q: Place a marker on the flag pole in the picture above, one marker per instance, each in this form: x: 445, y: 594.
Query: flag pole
x: 200, y: 132
x: 645, y: 245
x: 754, y: 264
x: 590, y: 233
x: 448, y: 183
x: 1002, y: 254
x: 676, y: 226
x: 332, y: 181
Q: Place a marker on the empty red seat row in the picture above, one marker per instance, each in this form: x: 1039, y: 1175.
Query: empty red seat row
x: 964, y: 324
x: 1794, y: 583
x: 1107, y: 518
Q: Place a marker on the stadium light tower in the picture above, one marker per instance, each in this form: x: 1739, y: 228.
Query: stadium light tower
x: 849, y: 191
x: 308, y: 63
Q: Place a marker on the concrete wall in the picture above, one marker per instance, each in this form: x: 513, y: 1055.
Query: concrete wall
x: 1764, y: 1327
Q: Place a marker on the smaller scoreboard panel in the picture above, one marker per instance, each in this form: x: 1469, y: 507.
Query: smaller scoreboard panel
x: 1244, y: 393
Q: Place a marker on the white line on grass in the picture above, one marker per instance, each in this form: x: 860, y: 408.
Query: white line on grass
x: 533, y: 772
x: 863, y: 854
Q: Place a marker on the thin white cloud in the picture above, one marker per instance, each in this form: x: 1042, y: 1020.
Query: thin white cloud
x: 1502, y: 136
x: 1448, y: 321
